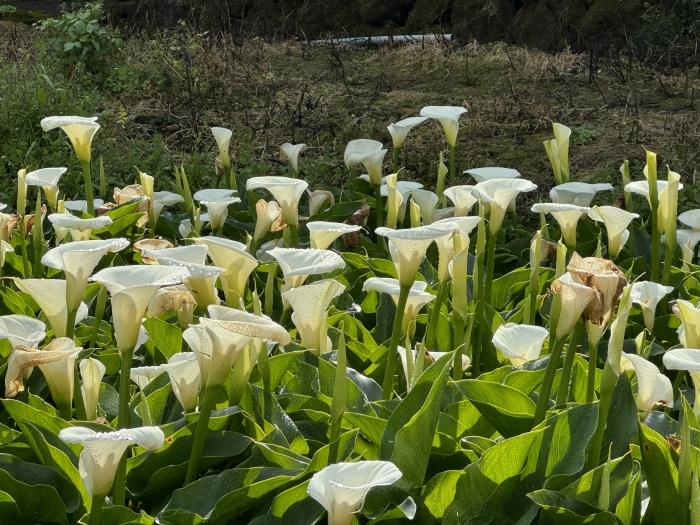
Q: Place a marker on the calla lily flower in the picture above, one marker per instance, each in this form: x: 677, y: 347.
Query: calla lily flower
x: 5, y: 247
x: 484, y: 174
x: 201, y: 279
x: 520, y: 342
x: 81, y: 206
x: 79, y: 229
x: 290, y: 153
x: 143, y: 375
x: 161, y: 199
x: 463, y: 198
x: 616, y: 221
x: 341, y: 487
x: 690, y: 218
x: 370, y: 153
x: 417, y: 297
x: 102, y: 452
x: 91, y: 372
x: 48, y: 179
x: 653, y: 387
x: 647, y: 295
x: 236, y: 262
x: 566, y: 215
x: 317, y: 199
x: 399, y: 130
x: 690, y: 323
x: 498, y: 195
x: 397, y: 193
x: 427, y: 201
x: 605, y: 278
x: 80, y: 131
x: 688, y: 239
x: 222, y: 136
x: 177, y: 299
x: 298, y: 264
x: 577, y: 193
x: 668, y: 198
x: 56, y: 361
x: 22, y: 330
x: 50, y: 295
x: 8, y: 223
x: 446, y: 244
x: 268, y: 219
x: 408, y: 247
x: 185, y: 378
x: 217, y: 203
x: 151, y: 244
x: 686, y: 359
x: 575, y: 298
x: 323, y: 233
x: 310, y: 304
x: 558, y: 152
x: 218, y: 340
x: 185, y: 227
x: 448, y: 116
x: 286, y: 191
x: 78, y: 259
x: 132, y: 288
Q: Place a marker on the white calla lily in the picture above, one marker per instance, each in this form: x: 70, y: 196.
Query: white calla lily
x: 56, y: 361
x: 688, y: 240
x: 558, y: 152
x: 520, y: 342
x: 201, y: 279
x: 653, y: 388
x: 285, y: 190
x: 102, y: 452
x: 575, y: 298
x: 498, y: 194
x: 323, y: 233
x: 161, y: 199
x: 298, y: 264
x: 446, y: 244
x: 616, y: 221
x: 80, y: 205
x: 222, y: 136
x: 463, y: 198
x: 689, y: 315
x: 667, y: 195
x: 408, y: 247
x: 647, y: 295
x: 79, y: 229
x: 341, y: 487
x: 48, y: 179
x: 50, y: 295
x: 399, y: 130
x: 268, y: 218
x: 185, y: 378
x: 22, y: 330
x: 427, y: 201
x: 80, y: 131
x: 566, y: 215
x: 91, y: 372
x: 310, y: 304
x: 132, y: 288
x: 217, y: 203
x: 290, y: 153
x: 448, y: 116
x: 686, y: 359
x: 417, y: 296
x: 370, y: 153
x: 317, y: 200
x: 690, y: 218
x: 484, y: 174
x: 236, y: 262
x: 577, y: 193
x: 143, y: 375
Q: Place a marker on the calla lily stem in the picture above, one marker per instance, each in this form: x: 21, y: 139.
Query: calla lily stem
x: 592, y: 362
x: 124, y: 421
x: 96, y: 510
x: 490, y: 256
x: 38, y: 238
x: 80, y: 412
x: 453, y: 175
x: 394, y: 342
x: 395, y: 159
x: 554, y: 354
x: 208, y: 404
x: 435, y: 315
x: 462, y: 339
x: 379, y: 210
x: 65, y: 410
x: 99, y: 313
x: 607, y: 387
x: 23, y: 244
x: 88, y: 186
x: 568, y: 363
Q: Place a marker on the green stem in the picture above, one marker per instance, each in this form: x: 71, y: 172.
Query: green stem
x: 607, y: 386
x: 208, y: 404
x: 119, y: 487
x: 99, y: 314
x: 435, y: 314
x: 592, y: 366
x: 96, y: 510
x: 23, y: 244
x: 293, y: 235
x: 70, y: 322
x: 546, y: 389
x: 395, y: 160
x: 532, y: 300
x: 379, y: 211
x: 458, y: 323
x: 394, y: 343
x: 491, y: 255
x: 124, y: 386
x: 38, y: 238
x: 668, y: 263
x: 453, y: 175
x: 80, y: 412
x: 476, y: 352
x: 65, y: 410
x: 88, y: 187
x: 568, y: 363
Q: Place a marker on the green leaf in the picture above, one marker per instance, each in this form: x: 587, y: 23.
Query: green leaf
x: 629, y: 509
x: 621, y: 424
x: 662, y: 478
x: 295, y: 506
x: 407, y: 438
x: 117, y: 515
x: 8, y: 508
x: 440, y: 492
x: 564, y: 510
x: 506, y: 287
x: 587, y: 488
x: 510, y: 411
x: 338, y: 212
x: 167, y: 337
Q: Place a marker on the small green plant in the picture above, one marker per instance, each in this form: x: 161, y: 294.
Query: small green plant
x: 82, y: 38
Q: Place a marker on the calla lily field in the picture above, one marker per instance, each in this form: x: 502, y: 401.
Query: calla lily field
x: 266, y: 352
